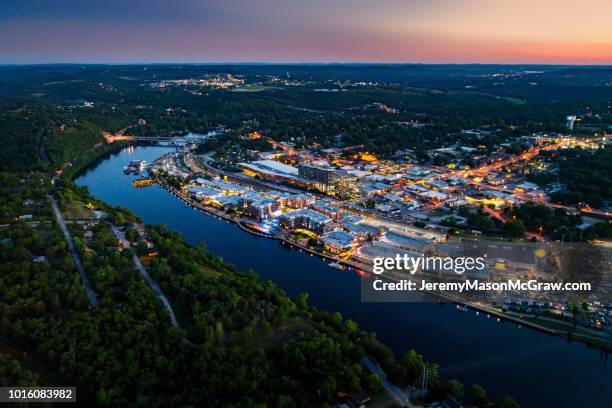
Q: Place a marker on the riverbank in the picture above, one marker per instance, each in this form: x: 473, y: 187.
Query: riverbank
x: 73, y: 168
x: 190, y: 164
x: 467, y: 345
x: 593, y: 341
x: 227, y: 217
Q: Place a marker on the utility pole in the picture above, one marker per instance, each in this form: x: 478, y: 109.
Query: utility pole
x: 425, y: 380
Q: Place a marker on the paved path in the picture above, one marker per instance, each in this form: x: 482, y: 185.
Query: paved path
x: 143, y: 272
x: 93, y: 300
x: 401, y: 396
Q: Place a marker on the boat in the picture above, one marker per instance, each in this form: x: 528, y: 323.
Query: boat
x: 337, y: 265
x: 256, y: 229
x: 463, y: 308
x: 135, y: 166
x: 137, y: 163
x: 142, y: 182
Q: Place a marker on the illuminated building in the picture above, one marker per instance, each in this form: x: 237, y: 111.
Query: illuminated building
x: 203, y: 193
x: 362, y: 232
x: 295, y: 201
x: 332, y: 211
x: 338, y: 242
x: 260, y: 207
x: 273, y: 170
x: 307, y: 219
x: 307, y: 176
x: 368, y: 157
x: 322, y: 176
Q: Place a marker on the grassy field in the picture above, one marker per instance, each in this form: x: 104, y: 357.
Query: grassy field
x: 77, y: 210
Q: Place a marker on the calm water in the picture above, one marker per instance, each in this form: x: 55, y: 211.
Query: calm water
x: 535, y: 368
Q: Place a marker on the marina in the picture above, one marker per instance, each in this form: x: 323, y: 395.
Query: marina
x: 134, y: 167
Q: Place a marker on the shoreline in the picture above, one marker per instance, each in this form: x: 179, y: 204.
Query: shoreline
x: 586, y: 339
x: 590, y: 341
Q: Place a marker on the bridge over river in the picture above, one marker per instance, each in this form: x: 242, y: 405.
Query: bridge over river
x: 165, y: 140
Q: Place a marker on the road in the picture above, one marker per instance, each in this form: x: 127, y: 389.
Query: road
x: 401, y: 396
x: 145, y: 275
x: 93, y: 299
x: 42, y: 146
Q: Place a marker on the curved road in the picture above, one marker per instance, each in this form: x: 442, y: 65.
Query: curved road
x: 145, y: 275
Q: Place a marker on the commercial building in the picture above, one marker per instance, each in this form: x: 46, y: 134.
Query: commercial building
x: 306, y: 175
x: 308, y: 219
x: 408, y: 241
x: 260, y: 207
x: 229, y: 202
x: 353, y: 225
x: 380, y: 249
x: 322, y: 176
x: 271, y: 169
x: 332, y: 211
x: 203, y: 193
x: 338, y: 242
x: 295, y: 201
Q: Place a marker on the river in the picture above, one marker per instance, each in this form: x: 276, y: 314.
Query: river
x: 537, y: 369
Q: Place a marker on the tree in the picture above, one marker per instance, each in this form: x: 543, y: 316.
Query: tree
x: 455, y: 388
x: 285, y: 401
x: 413, y: 365
x: 483, y: 223
x: 600, y: 230
x: 585, y: 310
x: 441, y: 160
x: 477, y: 395
x: 515, y: 228
x: 301, y: 301
x: 119, y: 218
x: 507, y: 402
x: 351, y: 326
x: 374, y: 384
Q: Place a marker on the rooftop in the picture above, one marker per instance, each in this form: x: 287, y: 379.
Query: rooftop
x: 271, y: 167
x: 338, y: 239
x: 307, y: 213
x: 385, y: 250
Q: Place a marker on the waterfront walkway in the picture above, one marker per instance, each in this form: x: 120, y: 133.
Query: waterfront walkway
x: 278, y: 235
x: 93, y: 299
x: 145, y: 275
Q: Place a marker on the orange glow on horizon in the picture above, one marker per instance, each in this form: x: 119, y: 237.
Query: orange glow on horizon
x: 427, y: 31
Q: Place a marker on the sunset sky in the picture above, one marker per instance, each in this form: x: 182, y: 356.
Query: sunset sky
x: 428, y: 31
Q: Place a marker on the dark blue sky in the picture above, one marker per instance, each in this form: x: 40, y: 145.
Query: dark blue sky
x: 505, y: 31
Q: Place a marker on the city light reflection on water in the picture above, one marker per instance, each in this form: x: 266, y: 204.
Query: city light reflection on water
x: 531, y: 366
